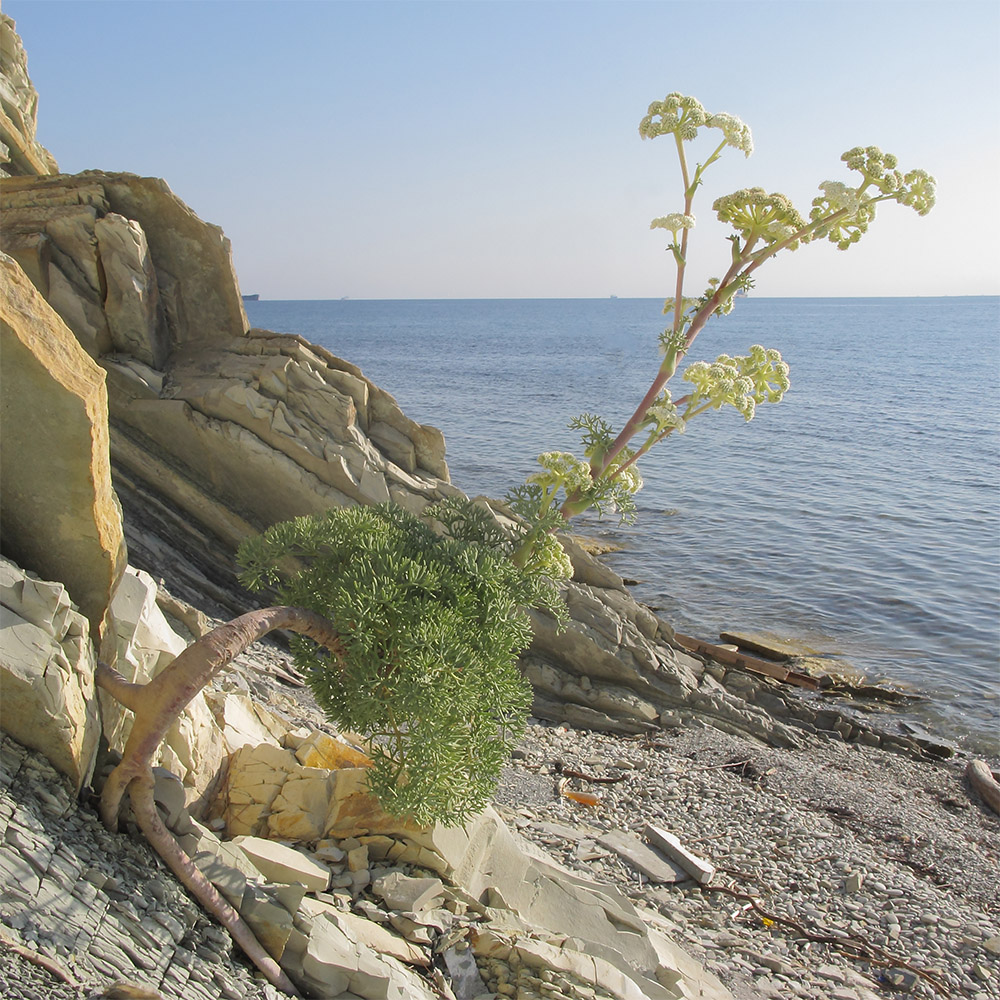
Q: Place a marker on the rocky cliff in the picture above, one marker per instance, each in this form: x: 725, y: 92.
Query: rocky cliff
x: 20, y: 151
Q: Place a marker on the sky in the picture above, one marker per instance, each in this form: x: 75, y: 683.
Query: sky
x: 491, y: 149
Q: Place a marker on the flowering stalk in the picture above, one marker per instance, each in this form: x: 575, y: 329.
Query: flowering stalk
x: 764, y: 225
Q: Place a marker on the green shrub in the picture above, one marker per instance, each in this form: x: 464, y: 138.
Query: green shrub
x: 431, y: 625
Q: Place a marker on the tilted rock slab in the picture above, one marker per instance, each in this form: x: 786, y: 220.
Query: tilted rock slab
x: 60, y: 517
x: 614, y: 669
x: 194, y: 746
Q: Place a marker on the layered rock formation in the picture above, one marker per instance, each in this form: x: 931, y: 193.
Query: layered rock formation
x: 47, y: 664
x: 217, y: 430
x: 20, y: 151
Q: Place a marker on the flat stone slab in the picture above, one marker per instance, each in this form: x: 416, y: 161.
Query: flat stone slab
x: 411, y: 895
x: 278, y: 863
x: 697, y: 868
x: 769, y: 644
x: 652, y: 864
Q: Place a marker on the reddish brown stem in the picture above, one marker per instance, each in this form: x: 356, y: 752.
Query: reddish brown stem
x: 157, y: 705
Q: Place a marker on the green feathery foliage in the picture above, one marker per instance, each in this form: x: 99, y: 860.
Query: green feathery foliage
x: 431, y: 625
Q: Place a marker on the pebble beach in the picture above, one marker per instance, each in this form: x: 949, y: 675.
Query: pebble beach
x: 841, y: 872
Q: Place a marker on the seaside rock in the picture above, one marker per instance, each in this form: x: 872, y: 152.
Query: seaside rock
x: 47, y: 668
x: 587, y: 569
x: 97, y: 903
x: 132, y: 301
x: 487, y: 857
x: 187, y: 261
x: 699, y: 869
x: 243, y: 721
x: 193, y: 746
x: 278, y: 863
x: 642, y: 858
x: 60, y: 517
x: 322, y: 750
x: 20, y: 151
x: 335, y: 963
x: 267, y: 792
x: 401, y: 892
x: 366, y: 932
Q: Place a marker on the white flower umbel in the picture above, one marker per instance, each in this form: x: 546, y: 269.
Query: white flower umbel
x: 675, y: 222
x: 738, y: 134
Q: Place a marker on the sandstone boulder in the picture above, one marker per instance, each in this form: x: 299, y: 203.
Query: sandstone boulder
x: 132, y: 300
x: 121, y: 248
x: 47, y: 663
x: 60, y: 516
x: 268, y: 792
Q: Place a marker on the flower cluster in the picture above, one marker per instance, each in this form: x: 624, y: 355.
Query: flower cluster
x: 612, y: 490
x: 741, y: 382
x: 550, y: 558
x: 675, y: 114
x: 872, y: 162
x: 848, y: 211
x: 562, y: 469
x: 683, y: 116
x: 675, y: 222
x: 919, y: 191
x: 757, y: 215
x: 664, y: 416
x: 844, y: 213
x: 737, y: 133
x: 915, y: 188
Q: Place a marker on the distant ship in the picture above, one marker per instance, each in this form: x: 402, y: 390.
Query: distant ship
x: 250, y: 298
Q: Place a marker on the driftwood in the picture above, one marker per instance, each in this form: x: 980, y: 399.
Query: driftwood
x: 156, y: 706
x: 983, y: 783
x: 751, y: 663
x: 36, y: 958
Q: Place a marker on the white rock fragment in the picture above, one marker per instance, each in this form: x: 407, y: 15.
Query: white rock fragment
x: 411, y: 895
x: 278, y: 863
x: 853, y: 882
x: 654, y: 866
x: 699, y: 869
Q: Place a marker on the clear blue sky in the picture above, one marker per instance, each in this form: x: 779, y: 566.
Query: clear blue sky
x: 490, y: 149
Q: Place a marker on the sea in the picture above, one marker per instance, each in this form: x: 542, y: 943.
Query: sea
x: 859, y: 516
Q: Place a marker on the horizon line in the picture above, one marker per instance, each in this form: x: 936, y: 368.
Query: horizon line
x: 258, y: 297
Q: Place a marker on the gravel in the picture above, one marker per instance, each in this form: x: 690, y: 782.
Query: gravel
x: 843, y: 842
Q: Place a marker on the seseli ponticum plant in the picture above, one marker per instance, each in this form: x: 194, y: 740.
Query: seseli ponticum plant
x: 764, y: 224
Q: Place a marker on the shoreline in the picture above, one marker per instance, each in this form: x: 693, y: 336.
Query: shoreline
x: 979, y: 736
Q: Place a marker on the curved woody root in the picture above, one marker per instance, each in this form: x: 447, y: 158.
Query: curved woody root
x: 156, y: 706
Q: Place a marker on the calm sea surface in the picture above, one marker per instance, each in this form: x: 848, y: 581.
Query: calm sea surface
x: 861, y: 514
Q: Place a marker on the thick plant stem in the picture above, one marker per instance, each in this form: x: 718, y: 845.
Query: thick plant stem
x: 157, y: 705
x: 164, y: 843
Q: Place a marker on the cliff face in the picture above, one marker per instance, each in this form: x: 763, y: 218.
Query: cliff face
x: 20, y: 152
x: 217, y: 431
